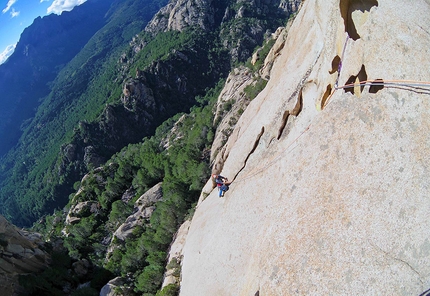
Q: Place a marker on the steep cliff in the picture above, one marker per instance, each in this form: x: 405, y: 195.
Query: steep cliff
x: 329, y: 164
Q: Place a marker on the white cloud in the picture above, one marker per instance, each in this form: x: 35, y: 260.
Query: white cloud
x: 7, y: 53
x: 9, y: 5
x: 14, y: 13
x: 58, y: 6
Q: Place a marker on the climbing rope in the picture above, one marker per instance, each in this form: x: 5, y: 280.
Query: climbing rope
x: 416, y: 85
x: 411, y: 85
x: 389, y: 83
x: 339, y: 67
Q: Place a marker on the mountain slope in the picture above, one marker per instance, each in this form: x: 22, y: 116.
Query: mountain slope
x: 330, y: 186
x: 81, y: 89
x: 44, y: 48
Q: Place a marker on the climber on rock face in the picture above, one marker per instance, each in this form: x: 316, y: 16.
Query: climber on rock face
x: 222, y: 183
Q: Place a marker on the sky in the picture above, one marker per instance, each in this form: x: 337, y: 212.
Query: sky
x: 16, y: 15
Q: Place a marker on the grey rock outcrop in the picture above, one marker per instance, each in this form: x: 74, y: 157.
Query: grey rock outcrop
x: 21, y: 253
x: 290, y: 6
x: 136, y: 93
x: 174, y: 134
x: 181, y: 14
x: 81, y: 209
x: 143, y: 209
x: 330, y: 190
x: 109, y: 288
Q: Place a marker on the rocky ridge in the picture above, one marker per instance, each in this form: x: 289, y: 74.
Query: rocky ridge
x: 181, y: 14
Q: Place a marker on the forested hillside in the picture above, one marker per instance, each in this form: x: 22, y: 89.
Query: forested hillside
x: 28, y: 174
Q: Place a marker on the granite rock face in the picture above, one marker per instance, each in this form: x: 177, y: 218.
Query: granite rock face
x: 21, y: 253
x: 331, y: 189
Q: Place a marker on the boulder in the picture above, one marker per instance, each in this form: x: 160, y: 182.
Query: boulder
x: 81, y: 267
x: 79, y: 210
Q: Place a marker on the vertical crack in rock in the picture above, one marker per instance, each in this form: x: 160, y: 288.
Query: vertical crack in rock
x: 299, y: 104
x: 295, y: 112
x: 283, y: 124
x: 347, y: 7
x: 257, y: 141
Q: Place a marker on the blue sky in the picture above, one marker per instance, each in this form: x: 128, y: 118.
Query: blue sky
x: 16, y: 15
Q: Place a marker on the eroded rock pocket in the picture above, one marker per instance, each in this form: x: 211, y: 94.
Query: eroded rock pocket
x: 357, y: 79
x: 347, y: 7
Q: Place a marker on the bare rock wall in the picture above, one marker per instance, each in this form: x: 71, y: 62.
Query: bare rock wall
x: 330, y: 190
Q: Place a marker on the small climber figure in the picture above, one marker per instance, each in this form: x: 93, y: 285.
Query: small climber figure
x: 222, y: 183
